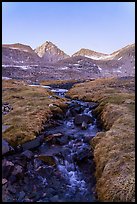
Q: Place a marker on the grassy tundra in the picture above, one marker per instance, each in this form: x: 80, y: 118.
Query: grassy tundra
x: 114, y: 149
x: 30, y: 112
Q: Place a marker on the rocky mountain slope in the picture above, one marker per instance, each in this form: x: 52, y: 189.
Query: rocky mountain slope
x: 19, y: 54
x: 50, y: 52
x: 19, y: 46
x: 128, y: 51
x: 49, y: 62
x: 119, y: 63
x: 90, y: 53
x: 122, y: 63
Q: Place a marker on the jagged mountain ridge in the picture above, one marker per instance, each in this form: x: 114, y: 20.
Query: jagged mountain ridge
x: 17, y: 54
x: 49, y: 62
x: 101, y: 56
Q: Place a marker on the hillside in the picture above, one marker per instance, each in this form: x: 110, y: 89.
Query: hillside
x: 49, y: 62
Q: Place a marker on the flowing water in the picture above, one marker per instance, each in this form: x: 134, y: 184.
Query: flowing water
x: 71, y: 177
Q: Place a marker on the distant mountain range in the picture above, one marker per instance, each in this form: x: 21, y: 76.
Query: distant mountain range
x: 24, y: 54
x: 48, y: 61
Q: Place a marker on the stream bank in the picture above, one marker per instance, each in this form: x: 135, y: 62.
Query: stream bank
x: 114, y: 149
x: 58, y: 165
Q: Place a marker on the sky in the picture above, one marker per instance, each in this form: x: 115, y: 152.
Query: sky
x: 100, y: 26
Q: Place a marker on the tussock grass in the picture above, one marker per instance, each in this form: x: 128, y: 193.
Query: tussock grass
x: 30, y: 110
x: 114, y: 149
x: 58, y: 82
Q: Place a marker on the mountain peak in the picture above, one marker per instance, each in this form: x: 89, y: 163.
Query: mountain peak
x: 50, y: 52
x: 47, y: 43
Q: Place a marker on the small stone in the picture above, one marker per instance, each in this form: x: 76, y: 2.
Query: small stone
x: 54, y: 198
x: 27, y: 154
x: 21, y: 195
x: 4, y: 181
x: 18, y: 171
x: 11, y: 189
x: 32, y: 195
x: 12, y: 179
x: 84, y: 125
x: 44, y: 194
x: 63, y: 140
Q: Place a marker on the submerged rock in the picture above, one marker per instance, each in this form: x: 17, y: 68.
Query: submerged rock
x: 84, y: 125
x: 63, y: 140
x: 80, y: 118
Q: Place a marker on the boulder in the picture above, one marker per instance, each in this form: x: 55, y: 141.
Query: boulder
x: 11, y: 189
x: 55, y: 109
x: 80, y: 118
x: 93, y: 104
x: 27, y: 154
x: 51, y: 137
x: 6, y: 148
x: 75, y: 110
x: 82, y: 153
x: 63, y: 140
x: 18, y: 171
x: 42, y: 171
x: 49, y: 160
x: 32, y: 144
x: 7, y: 168
x: 87, y: 139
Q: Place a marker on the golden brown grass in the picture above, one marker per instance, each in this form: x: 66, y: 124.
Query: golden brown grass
x: 58, y: 82
x: 114, y: 150
x: 30, y: 110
